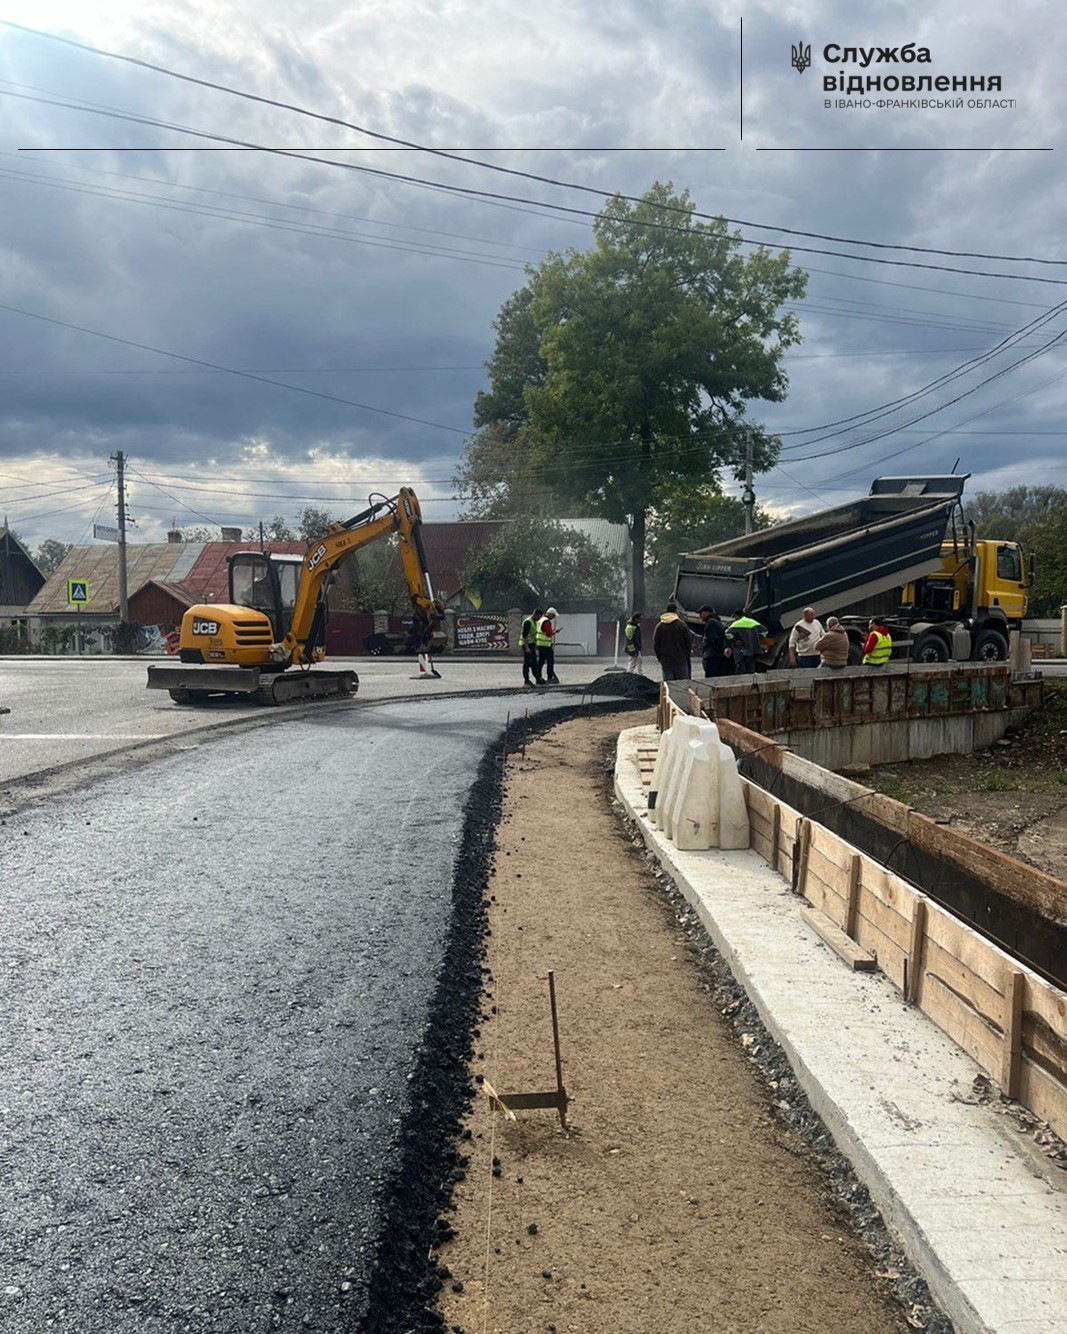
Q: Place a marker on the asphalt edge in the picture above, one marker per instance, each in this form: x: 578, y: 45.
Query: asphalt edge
x: 405, y: 1278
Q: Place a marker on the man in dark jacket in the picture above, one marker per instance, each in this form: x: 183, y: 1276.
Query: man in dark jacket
x: 713, y: 647
x: 671, y: 644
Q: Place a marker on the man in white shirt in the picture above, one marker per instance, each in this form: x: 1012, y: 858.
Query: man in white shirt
x: 802, y: 640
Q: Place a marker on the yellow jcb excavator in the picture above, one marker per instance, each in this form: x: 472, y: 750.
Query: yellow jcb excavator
x: 265, y: 641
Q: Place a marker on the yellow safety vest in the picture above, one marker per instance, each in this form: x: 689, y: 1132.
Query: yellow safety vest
x: 881, y: 651
x: 541, y: 639
x: 631, y: 631
x: 526, y: 633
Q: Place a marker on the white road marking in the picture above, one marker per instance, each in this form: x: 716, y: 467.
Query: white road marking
x: 82, y: 736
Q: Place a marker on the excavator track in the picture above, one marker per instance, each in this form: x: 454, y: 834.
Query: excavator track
x: 293, y: 686
x: 197, y: 685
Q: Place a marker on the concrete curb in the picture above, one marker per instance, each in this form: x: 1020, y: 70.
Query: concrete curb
x: 982, y: 1215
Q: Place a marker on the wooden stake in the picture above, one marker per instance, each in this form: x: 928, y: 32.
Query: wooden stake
x: 800, y: 855
x: 913, y: 961
x: 855, y: 869
x: 561, y: 1091
x: 1011, y: 1053
x: 776, y: 833
x: 509, y: 1103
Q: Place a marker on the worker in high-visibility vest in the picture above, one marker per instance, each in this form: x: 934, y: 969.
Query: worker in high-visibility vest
x: 878, y: 645
x: 531, y: 677
x: 743, y: 641
x: 546, y: 656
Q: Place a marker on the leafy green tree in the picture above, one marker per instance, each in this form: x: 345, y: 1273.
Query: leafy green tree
x: 534, y: 559
x: 1012, y: 514
x: 51, y: 554
x: 1036, y: 517
x: 1048, y: 542
x: 649, y: 348
x: 313, y: 523
x: 498, y: 478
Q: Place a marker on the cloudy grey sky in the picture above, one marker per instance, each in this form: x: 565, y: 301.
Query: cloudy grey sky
x: 135, y: 282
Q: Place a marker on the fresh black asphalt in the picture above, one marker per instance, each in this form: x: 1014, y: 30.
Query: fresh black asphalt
x: 217, y: 977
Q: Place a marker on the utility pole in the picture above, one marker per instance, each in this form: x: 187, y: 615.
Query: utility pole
x: 119, y: 459
x: 748, y: 498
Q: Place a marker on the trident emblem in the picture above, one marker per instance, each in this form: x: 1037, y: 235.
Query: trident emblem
x: 801, y: 57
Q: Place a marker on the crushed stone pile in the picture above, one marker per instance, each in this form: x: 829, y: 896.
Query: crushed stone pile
x: 629, y: 685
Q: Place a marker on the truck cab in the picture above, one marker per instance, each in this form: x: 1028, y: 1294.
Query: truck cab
x: 981, y: 584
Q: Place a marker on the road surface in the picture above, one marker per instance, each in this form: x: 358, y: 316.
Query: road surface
x: 215, y: 974
x: 68, y: 709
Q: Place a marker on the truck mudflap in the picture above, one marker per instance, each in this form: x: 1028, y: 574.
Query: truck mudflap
x: 196, y: 684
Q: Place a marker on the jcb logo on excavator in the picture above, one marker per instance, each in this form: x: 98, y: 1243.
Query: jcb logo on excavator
x: 315, y: 557
x: 205, y: 627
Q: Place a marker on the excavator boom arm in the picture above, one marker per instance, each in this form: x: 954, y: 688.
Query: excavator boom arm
x: 401, y: 515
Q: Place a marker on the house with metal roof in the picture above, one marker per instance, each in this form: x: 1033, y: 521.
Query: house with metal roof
x: 163, y: 580
x: 20, y: 580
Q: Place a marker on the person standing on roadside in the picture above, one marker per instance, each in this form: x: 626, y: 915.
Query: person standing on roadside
x: 743, y: 641
x: 802, y: 639
x: 713, y: 646
x: 833, y: 646
x: 878, y: 646
x: 544, y: 637
x: 671, y: 643
x: 531, y: 677
x: 633, y: 643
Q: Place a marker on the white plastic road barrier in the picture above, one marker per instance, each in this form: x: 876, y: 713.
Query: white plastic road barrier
x: 666, y: 758
x: 697, y: 824
x: 699, y: 800
x: 678, y: 735
x: 733, y: 813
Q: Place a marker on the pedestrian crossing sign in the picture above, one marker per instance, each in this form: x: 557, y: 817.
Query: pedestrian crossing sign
x: 77, y: 592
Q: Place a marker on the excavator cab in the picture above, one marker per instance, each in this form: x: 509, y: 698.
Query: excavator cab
x: 268, y: 582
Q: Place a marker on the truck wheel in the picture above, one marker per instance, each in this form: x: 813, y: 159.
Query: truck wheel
x: 991, y: 646
x: 929, y: 648
x: 181, y: 696
x: 855, y: 654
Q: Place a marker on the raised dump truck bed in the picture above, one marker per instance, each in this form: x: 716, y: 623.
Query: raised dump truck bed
x: 832, y: 560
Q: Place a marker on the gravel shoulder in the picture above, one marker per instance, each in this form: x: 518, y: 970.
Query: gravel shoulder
x: 679, y: 1198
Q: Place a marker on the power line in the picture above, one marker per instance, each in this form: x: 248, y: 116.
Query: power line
x: 246, y: 375
x: 496, y: 196
x: 270, y: 224
x: 495, y: 166
x: 843, y: 449
x: 947, y: 377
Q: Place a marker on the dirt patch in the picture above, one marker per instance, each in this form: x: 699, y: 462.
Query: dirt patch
x: 680, y: 1198
x: 1012, y: 796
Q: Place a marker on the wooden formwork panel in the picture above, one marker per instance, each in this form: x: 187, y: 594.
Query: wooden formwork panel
x: 1009, y: 1020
